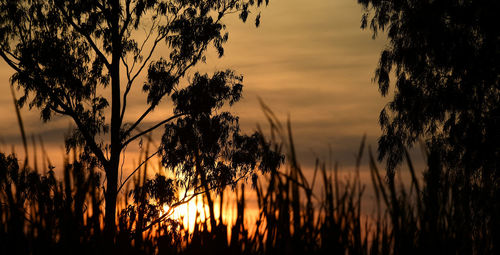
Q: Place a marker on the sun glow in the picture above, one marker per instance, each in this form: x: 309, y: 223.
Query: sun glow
x: 197, y: 211
x: 192, y: 212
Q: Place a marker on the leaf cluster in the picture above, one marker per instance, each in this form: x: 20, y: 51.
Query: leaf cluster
x: 445, y: 61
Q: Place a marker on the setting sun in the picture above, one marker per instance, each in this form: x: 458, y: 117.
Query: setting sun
x: 151, y: 127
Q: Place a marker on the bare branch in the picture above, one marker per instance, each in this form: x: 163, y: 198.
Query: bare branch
x: 129, y: 70
x: 9, y: 61
x: 135, y: 170
x: 158, y: 39
x: 153, y: 128
x: 127, y: 89
x: 11, y: 54
x: 179, y: 75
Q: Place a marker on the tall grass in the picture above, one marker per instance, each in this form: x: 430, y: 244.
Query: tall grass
x: 438, y: 212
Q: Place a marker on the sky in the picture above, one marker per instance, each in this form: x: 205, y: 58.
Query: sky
x: 308, y: 60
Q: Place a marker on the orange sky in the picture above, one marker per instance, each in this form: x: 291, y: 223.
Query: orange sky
x: 309, y: 59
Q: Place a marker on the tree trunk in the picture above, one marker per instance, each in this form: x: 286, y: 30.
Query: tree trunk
x: 113, y: 166
x: 110, y: 209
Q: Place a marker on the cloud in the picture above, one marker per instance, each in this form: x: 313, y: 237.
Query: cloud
x: 308, y: 59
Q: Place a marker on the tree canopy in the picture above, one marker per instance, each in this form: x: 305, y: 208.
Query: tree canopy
x: 69, y: 58
x: 444, y: 59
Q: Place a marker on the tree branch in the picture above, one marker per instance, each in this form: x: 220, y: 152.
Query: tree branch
x: 135, y: 170
x: 152, y: 128
x: 180, y: 72
x: 88, y: 138
x: 127, y: 89
x: 179, y: 75
x: 9, y: 61
x: 127, y: 19
x: 130, y: 80
x: 89, y: 39
x: 185, y: 200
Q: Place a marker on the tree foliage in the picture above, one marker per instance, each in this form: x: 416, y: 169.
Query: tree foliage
x: 209, y: 141
x: 444, y: 57
x: 70, y: 57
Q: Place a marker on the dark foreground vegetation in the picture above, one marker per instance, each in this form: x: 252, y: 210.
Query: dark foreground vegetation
x: 444, y: 56
x: 436, y: 212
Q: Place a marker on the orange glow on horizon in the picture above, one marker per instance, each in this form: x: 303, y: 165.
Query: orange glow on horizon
x: 197, y: 211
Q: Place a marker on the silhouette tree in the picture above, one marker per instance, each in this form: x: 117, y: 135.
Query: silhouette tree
x: 445, y: 59
x: 68, y: 56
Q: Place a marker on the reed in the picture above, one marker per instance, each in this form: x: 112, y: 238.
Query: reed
x: 441, y: 211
